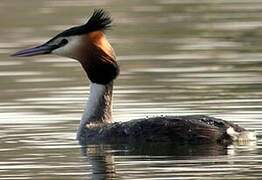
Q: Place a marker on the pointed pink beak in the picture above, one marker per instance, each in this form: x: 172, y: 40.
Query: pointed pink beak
x: 38, y: 50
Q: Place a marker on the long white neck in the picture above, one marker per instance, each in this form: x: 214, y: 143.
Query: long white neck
x: 99, y: 105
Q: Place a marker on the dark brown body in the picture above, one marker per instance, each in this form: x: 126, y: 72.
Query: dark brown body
x: 195, y: 129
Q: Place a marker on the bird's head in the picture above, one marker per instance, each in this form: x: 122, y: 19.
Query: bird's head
x: 87, y: 44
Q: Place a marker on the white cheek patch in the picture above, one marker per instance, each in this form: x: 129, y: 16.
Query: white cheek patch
x: 69, y: 49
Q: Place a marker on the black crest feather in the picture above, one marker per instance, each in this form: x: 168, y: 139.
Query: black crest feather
x: 99, y: 21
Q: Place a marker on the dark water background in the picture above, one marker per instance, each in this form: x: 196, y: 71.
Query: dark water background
x: 177, y: 57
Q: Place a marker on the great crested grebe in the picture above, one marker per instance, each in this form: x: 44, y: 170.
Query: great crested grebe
x: 88, y: 45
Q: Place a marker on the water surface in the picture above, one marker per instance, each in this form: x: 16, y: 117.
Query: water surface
x: 176, y: 58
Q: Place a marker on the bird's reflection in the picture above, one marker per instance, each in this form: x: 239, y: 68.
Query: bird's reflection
x: 101, y: 156
x: 101, y: 161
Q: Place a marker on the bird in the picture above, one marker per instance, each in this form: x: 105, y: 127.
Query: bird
x: 87, y: 43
